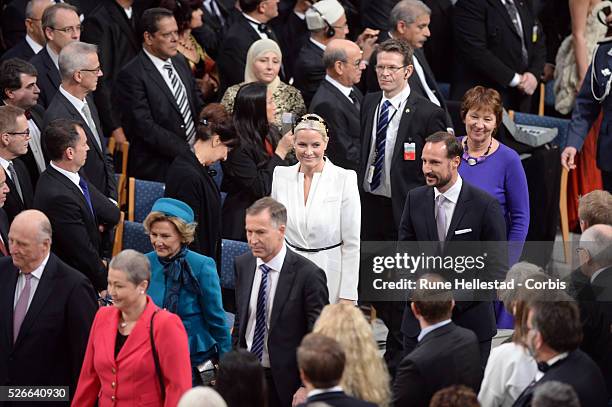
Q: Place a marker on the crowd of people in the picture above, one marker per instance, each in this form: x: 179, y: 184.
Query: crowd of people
x: 307, y: 129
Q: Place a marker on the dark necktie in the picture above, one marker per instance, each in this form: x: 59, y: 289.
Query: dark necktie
x: 381, y: 141
x: 515, y: 17
x: 260, y: 315
x: 85, y: 188
x: 355, y: 99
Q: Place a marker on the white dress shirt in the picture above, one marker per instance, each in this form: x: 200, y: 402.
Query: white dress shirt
x: 346, y: 90
x: 449, y: 204
x: 36, y: 47
x: 316, y: 392
x: 72, y: 176
x: 54, y: 56
x: 276, y: 264
x: 36, y: 145
x: 159, y: 65
x: 255, y: 24
x: 318, y: 44
x: 433, y: 327
x: 5, y: 163
x: 74, y: 101
x: 421, y: 74
x: 36, y: 275
x: 551, y: 362
x: 398, y: 102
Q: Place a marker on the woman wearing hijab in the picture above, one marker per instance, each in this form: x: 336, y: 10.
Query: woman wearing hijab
x: 263, y: 65
x: 185, y: 282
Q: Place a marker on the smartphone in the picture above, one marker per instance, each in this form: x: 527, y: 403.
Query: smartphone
x: 287, y: 122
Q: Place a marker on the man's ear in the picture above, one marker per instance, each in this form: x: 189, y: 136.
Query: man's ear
x: 415, y: 310
x: 409, y: 70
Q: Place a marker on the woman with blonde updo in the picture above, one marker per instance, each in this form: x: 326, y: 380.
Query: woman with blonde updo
x: 365, y: 373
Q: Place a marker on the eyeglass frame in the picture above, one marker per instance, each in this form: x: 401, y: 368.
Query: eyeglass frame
x: 68, y: 30
x: 25, y: 133
x: 356, y: 64
x: 94, y: 70
x: 392, y: 69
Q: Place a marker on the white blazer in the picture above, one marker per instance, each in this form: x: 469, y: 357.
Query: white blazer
x: 332, y: 214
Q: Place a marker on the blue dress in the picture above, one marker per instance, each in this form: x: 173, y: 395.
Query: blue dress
x: 205, y: 327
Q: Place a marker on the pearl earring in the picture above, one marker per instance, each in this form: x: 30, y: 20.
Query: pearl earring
x: 141, y: 292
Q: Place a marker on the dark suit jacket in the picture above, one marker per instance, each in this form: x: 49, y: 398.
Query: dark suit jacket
x: 14, y: 204
x: 28, y: 160
x: 439, y: 46
x: 76, y: 238
x: 337, y: 399
x: 51, y: 344
x: 232, y: 56
x: 488, y: 48
x: 446, y: 356
x: 292, y: 35
x: 580, y: 372
x: 108, y: 27
x: 150, y: 116
x: 300, y: 296
x: 99, y: 166
x: 21, y: 50
x: 190, y: 182
x: 48, y: 77
x: 4, y: 228
x: 342, y: 117
x: 420, y: 118
x: 309, y: 70
x: 475, y: 210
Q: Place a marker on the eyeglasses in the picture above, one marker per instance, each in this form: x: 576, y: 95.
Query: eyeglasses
x: 391, y: 69
x: 357, y: 62
x: 340, y: 27
x: 95, y: 70
x: 19, y: 133
x: 69, y: 30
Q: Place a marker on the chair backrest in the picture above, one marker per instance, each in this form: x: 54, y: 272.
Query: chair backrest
x: 562, y: 125
x: 229, y: 250
x: 142, y: 196
x: 135, y: 237
x: 444, y: 90
x: 219, y: 175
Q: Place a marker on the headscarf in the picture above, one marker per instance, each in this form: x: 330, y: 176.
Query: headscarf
x: 259, y: 48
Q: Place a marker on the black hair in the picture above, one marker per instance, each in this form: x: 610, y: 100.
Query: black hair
x: 241, y: 380
x: 214, y: 120
x: 250, y: 117
x: 58, y: 136
x: 10, y: 74
x: 150, y: 18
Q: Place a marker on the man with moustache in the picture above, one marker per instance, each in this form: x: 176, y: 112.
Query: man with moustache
x: 462, y: 213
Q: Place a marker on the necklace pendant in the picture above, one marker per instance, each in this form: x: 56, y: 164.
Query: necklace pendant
x: 472, y: 161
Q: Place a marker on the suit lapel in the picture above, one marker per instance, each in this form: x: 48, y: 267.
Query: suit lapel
x: 7, y: 299
x: 430, y: 217
x: 120, y: 17
x: 13, y: 189
x: 505, y: 15
x: 156, y: 77
x: 343, y: 99
x: 75, y: 190
x: 248, y: 276
x: 77, y: 117
x: 404, y: 129
x: 52, y: 70
x: 460, y: 208
x: 140, y: 334
x: 283, y: 288
x: 46, y: 286
x: 367, y: 137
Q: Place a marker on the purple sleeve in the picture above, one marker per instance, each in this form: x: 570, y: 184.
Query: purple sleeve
x: 517, y: 204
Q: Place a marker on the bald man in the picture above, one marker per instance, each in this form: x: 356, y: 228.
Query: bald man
x: 46, y: 310
x: 338, y: 101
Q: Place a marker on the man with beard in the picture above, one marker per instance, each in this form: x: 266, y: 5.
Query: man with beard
x: 449, y: 209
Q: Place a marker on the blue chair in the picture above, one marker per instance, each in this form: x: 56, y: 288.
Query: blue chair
x: 142, y: 196
x: 131, y: 235
x: 229, y: 250
x: 562, y: 125
x: 444, y: 90
x: 219, y: 176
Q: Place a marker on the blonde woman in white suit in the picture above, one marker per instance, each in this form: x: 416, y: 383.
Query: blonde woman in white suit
x: 323, y: 208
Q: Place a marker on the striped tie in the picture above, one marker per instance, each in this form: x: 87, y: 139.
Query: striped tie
x: 183, y: 104
x: 260, y: 315
x: 381, y: 141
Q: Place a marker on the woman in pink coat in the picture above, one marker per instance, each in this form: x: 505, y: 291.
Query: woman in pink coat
x: 120, y: 369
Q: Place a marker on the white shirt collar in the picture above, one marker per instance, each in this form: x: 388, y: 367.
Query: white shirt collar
x: 4, y: 163
x: 158, y: 62
x: 452, y: 194
x: 128, y: 12
x: 398, y: 99
x: 39, y: 270
x: 595, y: 274
x: 76, y: 102
x: 54, y: 57
x: 346, y: 90
x: 277, y: 261
x: 36, y: 47
x: 72, y: 176
x: 433, y: 327
x: 301, y: 16
x: 557, y: 358
x: 318, y: 44
x: 252, y: 21
x: 315, y: 392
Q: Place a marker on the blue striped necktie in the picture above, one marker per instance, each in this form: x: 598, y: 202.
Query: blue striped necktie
x: 260, y: 314
x: 180, y: 95
x: 381, y: 141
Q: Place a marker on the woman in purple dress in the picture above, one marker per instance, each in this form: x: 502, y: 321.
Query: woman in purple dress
x: 496, y: 169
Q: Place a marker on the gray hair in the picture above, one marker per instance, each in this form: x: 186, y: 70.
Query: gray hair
x: 597, y: 239
x: 519, y: 273
x: 48, y: 17
x: 553, y: 394
x: 278, y: 212
x: 74, y: 57
x: 134, y: 264
x: 407, y: 11
x: 201, y: 397
x: 332, y: 55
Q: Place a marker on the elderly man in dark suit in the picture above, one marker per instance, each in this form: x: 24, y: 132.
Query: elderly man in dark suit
x: 394, y: 125
x: 498, y: 44
x: 157, y: 99
x: 80, y: 70
x: 446, y: 354
x: 4, y: 223
x: 338, y: 101
x: 18, y: 86
x: 46, y: 310
x: 279, y: 295
x: 72, y: 204
x: 463, y: 213
x: 554, y: 336
x: 109, y: 27
x: 34, y: 39
x: 61, y: 26
x: 250, y: 26
x: 14, y: 136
